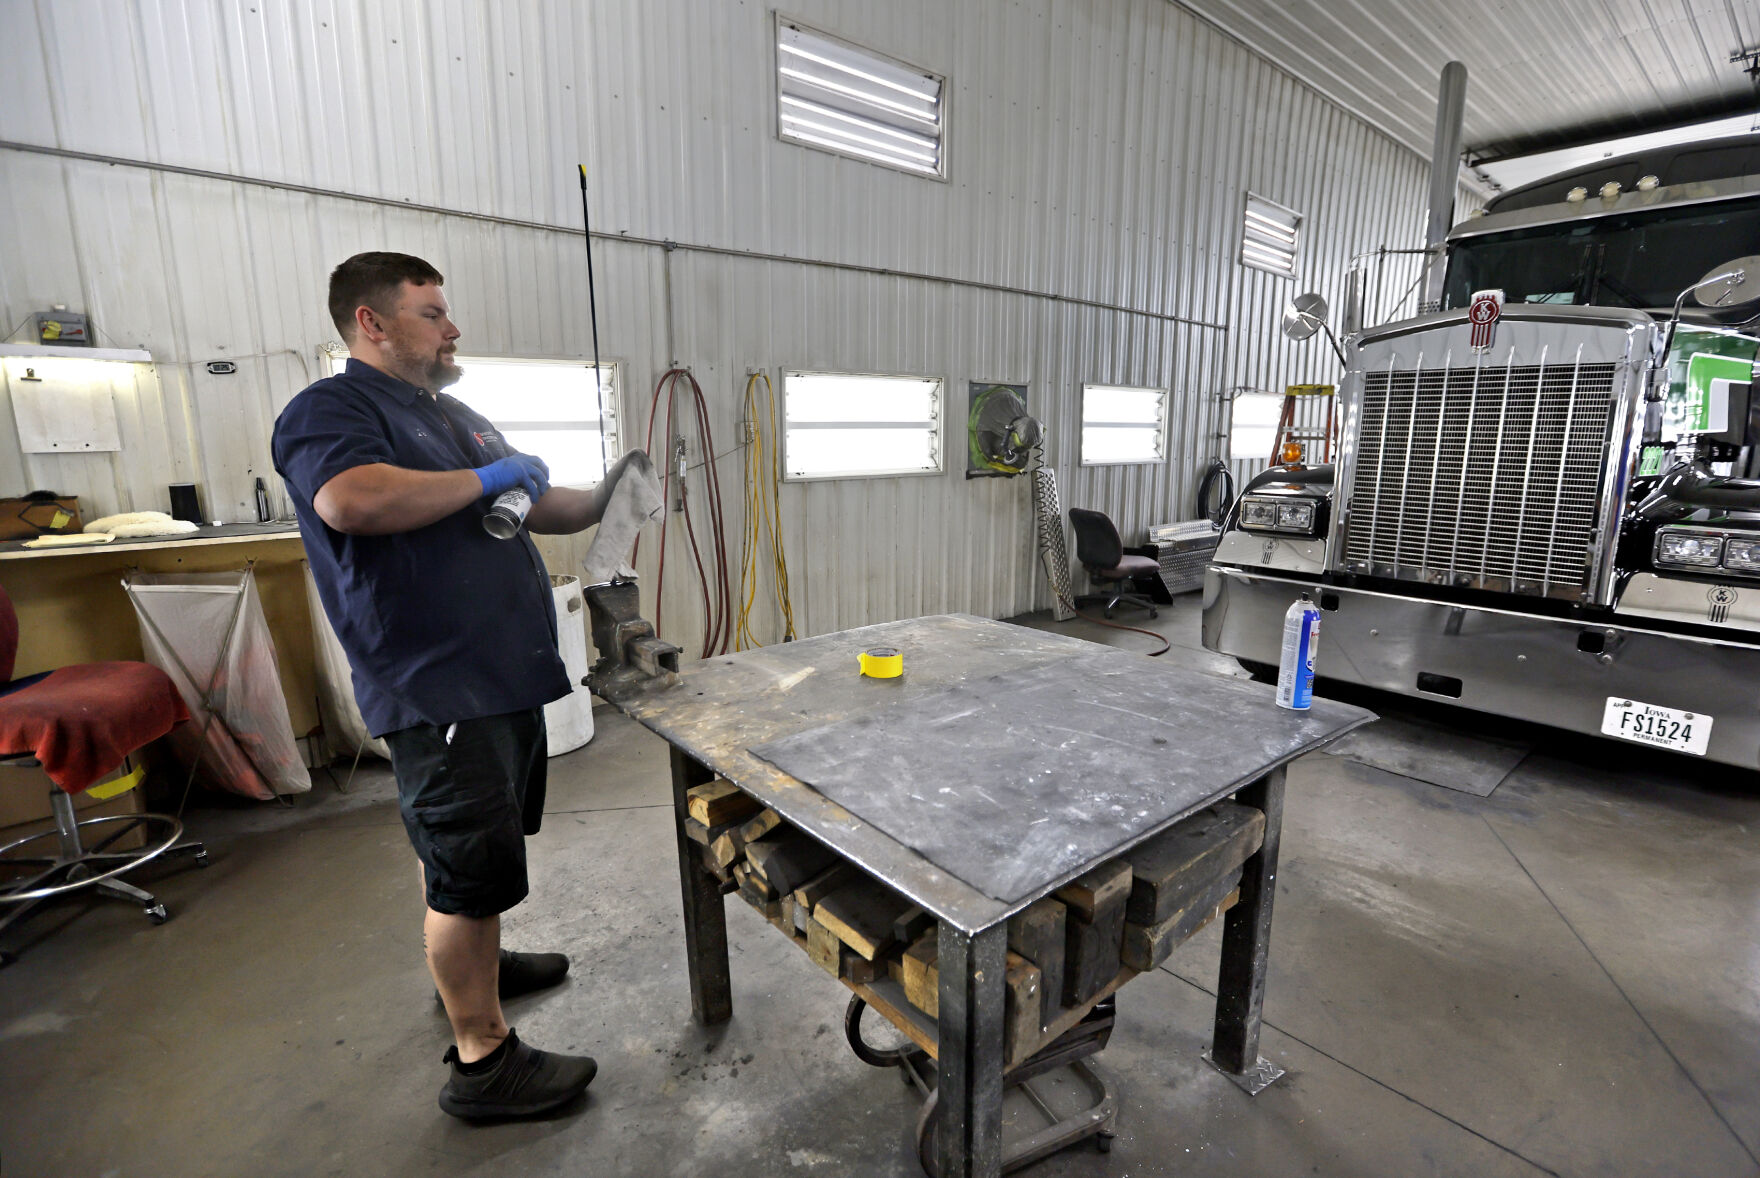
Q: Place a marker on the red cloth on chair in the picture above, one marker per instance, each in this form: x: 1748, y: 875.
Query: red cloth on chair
x: 82, y: 721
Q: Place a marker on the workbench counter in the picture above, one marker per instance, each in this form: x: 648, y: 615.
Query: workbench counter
x: 204, y: 536
x: 72, y: 608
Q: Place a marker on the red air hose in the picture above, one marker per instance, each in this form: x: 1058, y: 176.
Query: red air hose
x: 717, y: 598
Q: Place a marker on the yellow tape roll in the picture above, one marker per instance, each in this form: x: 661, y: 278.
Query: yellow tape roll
x: 881, y: 663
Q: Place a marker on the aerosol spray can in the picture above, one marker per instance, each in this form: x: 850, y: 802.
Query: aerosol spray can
x: 1295, y: 673
x: 507, y: 514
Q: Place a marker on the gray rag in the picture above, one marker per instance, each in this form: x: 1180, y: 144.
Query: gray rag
x: 635, y: 501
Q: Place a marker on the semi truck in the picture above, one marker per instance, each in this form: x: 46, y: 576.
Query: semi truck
x: 1545, y: 499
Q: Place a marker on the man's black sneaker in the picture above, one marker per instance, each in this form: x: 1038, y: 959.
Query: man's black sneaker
x: 522, y: 973
x: 524, y: 1083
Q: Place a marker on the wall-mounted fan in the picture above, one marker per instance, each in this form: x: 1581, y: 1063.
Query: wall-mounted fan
x: 1001, y: 433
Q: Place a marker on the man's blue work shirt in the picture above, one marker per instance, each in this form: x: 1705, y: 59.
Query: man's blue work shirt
x: 440, y: 624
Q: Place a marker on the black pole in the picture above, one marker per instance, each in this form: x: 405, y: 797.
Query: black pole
x: 592, y: 301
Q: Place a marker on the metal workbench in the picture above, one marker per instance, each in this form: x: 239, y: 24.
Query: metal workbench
x: 1062, y: 736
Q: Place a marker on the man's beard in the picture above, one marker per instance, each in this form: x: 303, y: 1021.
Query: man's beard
x: 441, y: 374
x: 430, y: 372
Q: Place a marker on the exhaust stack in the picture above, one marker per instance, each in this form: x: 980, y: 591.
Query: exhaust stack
x: 1445, y: 163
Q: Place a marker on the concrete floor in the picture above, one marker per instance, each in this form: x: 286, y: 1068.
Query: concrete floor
x: 1561, y: 978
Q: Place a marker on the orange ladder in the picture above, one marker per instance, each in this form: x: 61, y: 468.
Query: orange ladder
x: 1287, y: 433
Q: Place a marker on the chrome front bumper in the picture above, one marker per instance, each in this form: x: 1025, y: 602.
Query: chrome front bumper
x: 1505, y: 663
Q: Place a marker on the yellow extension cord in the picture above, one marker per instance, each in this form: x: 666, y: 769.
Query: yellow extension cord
x: 763, y: 481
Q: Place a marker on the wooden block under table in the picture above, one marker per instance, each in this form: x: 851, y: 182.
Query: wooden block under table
x: 1021, y: 1006
x: 756, y: 828
x: 1097, y: 890
x: 823, y: 947
x: 750, y: 879
x: 861, y: 914
x: 1037, y: 933
x: 722, y: 846
x: 724, y: 874
x: 1147, y: 946
x: 1023, y: 1011
x: 1171, y: 868
x: 921, y: 982
x: 719, y: 801
x: 911, y: 924
x: 788, y: 857
x: 725, y: 846
x: 1093, y: 929
x: 816, y: 889
x: 857, y: 968
x: 751, y: 891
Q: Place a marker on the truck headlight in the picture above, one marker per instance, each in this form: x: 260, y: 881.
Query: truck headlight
x: 1258, y: 513
x: 1296, y: 517
x: 1279, y: 514
x: 1689, y: 550
x: 1742, y: 555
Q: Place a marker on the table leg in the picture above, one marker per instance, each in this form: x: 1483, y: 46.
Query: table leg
x: 968, y: 1089
x: 1246, y: 950
x: 705, y: 917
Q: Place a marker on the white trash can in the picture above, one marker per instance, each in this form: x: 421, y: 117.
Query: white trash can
x: 570, y: 719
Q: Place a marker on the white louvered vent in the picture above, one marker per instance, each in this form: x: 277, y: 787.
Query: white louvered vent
x: 842, y: 98
x: 1269, y: 237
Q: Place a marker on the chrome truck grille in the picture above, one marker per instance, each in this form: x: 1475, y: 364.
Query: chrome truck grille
x: 1482, y: 477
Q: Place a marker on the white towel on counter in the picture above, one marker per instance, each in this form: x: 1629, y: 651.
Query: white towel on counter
x: 133, y: 525
x: 636, y: 500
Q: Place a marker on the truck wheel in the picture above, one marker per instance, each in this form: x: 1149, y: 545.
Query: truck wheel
x: 1261, y: 672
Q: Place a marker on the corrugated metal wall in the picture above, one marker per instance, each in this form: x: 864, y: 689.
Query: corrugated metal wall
x: 1099, y: 150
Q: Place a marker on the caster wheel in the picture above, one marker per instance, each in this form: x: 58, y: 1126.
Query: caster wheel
x: 1103, y: 1142
x: 1154, y: 613
x: 6, y: 958
x: 1109, y: 613
x: 202, y: 859
x: 156, y: 913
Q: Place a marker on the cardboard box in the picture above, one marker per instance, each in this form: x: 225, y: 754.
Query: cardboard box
x: 26, y: 519
x: 24, y: 807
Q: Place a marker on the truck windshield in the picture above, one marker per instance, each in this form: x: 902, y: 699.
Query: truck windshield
x: 1636, y: 260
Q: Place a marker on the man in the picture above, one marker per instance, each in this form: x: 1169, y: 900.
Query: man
x: 451, y: 634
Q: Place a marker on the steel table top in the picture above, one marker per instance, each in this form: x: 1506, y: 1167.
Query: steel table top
x: 1005, y: 762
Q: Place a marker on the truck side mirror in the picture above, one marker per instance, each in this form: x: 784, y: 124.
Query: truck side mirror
x: 1303, y: 316
x: 1306, y: 314
x: 1729, y: 285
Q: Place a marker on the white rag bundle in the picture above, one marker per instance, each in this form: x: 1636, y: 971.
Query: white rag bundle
x: 132, y: 525
x: 635, y: 501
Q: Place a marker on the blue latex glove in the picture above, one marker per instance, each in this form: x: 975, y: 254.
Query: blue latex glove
x: 516, y: 470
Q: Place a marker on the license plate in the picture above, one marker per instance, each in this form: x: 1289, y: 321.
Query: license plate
x: 1666, y: 728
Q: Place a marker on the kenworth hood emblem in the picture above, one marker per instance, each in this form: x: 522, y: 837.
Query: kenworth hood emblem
x: 1487, y: 308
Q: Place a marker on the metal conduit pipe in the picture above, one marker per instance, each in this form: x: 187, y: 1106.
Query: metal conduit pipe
x: 572, y: 231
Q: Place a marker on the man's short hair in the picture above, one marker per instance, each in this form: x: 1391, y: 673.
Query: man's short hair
x: 373, y: 279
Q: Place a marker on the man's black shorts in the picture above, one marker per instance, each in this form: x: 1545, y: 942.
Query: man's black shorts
x: 468, y: 802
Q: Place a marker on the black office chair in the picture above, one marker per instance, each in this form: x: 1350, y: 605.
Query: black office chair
x: 1110, y: 568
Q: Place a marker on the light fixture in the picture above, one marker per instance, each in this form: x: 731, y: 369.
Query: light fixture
x: 856, y: 102
x: 1266, y: 513
x: 1689, y: 549
x: 1577, y: 195
x: 1742, y: 556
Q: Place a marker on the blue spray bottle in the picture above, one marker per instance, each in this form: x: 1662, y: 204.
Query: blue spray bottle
x: 1295, y: 672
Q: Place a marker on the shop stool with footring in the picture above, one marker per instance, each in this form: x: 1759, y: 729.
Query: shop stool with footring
x: 80, y: 723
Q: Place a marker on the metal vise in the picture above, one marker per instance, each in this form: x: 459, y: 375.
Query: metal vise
x: 629, y: 653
